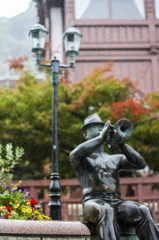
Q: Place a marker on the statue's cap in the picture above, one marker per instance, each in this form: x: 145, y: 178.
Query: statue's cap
x: 93, y: 119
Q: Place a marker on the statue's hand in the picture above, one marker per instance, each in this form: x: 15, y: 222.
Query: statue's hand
x: 119, y: 140
x: 105, y: 130
x: 107, y: 124
x: 113, y: 139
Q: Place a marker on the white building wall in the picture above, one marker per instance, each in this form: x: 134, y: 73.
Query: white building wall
x: 56, y: 33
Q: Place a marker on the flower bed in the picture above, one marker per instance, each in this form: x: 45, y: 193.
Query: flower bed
x: 15, y: 203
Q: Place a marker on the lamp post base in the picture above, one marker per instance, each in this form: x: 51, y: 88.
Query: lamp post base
x: 55, y: 212
x: 55, y: 202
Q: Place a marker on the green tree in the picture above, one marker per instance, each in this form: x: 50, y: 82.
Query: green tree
x: 26, y: 117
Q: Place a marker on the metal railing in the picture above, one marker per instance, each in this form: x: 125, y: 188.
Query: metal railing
x: 142, y: 189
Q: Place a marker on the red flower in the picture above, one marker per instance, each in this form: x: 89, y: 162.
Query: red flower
x: 8, y: 215
x: 8, y: 208
x: 32, y: 202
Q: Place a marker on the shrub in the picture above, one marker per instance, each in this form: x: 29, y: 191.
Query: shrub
x: 15, y: 203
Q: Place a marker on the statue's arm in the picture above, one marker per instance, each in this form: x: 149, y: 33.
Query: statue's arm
x: 131, y: 159
x: 87, y: 148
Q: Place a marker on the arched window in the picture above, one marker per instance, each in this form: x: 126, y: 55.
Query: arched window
x: 109, y: 9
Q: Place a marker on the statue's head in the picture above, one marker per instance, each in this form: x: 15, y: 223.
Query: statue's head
x: 92, y: 126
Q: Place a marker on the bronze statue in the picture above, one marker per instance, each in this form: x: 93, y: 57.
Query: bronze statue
x: 98, y: 172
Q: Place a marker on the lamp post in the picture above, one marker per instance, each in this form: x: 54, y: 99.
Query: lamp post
x: 72, y: 38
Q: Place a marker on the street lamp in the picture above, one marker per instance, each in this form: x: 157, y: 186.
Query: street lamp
x: 72, y: 38
x: 38, y: 35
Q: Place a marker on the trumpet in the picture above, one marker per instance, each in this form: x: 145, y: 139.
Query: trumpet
x: 123, y: 129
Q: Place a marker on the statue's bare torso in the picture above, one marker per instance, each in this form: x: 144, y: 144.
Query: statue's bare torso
x: 100, y: 172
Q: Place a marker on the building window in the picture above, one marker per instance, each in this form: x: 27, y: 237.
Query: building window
x: 127, y: 9
x: 109, y: 9
x: 91, y: 9
x: 157, y: 8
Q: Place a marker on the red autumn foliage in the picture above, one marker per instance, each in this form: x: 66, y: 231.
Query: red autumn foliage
x: 17, y: 63
x: 47, y: 45
x: 129, y: 107
x: 90, y: 84
x: 156, y: 104
x: 64, y: 78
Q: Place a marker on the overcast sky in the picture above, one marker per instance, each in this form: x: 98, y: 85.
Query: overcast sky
x: 11, y: 8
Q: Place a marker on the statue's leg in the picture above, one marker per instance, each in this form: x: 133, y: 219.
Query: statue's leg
x: 139, y: 216
x: 103, y: 216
